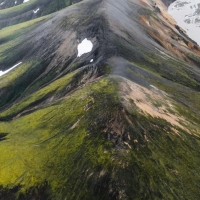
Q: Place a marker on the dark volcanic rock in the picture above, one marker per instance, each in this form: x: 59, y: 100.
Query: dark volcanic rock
x: 167, y: 2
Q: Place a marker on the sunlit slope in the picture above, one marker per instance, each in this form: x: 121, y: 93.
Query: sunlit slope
x: 89, y: 143
x: 125, y: 126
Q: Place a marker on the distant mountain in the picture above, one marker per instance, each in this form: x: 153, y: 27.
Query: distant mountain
x: 187, y: 15
x: 17, y: 11
x: 99, y: 100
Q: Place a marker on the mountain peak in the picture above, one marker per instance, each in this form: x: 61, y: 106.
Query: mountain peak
x: 119, y: 120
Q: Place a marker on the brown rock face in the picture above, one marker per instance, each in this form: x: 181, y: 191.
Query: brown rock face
x: 166, y: 32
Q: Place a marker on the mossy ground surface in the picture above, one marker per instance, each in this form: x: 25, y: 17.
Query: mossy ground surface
x: 65, y: 132
x: 37, y: 149
x: 66, y: 146
x: 11, y: 12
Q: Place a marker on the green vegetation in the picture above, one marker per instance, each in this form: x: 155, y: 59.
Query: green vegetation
x: 168, y: 68
x: 9, y: 79
x: 16, y: 10
x: 49, y: 91
x: 18, y: 30
x: 17, y: 80
x: 46, y: 7
x: 65, y: 140
x: 31, y: 5
x: 194, y: 58
x: 55, y: 6
x: 46, y: 145
x: 70, y: 129
x: 12, y: 50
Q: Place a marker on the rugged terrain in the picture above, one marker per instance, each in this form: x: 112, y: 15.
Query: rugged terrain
x: 125, y: 126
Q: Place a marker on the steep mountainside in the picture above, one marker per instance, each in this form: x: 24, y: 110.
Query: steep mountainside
x: 119, y: 122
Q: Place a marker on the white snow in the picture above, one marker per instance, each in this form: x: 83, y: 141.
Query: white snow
x: 187, y: 15
x: 35, y: 11
x: 5, y: 72
x: 84, y: 47
x: 2, y: 3
x: 91, y: 60
x: 15, y: 2
x: 26, y: 1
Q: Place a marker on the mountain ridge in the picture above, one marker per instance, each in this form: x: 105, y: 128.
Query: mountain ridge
x: 125, y: 126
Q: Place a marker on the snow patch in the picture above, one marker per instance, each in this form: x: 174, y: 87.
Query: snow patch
x: 26, y: 1
x: 5, y: 72
x: 35, y: 11
x: 84, y: 47
x: 187, y: 15
x: 91, y: 60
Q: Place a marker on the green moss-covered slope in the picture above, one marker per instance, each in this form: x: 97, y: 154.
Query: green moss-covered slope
x: 12, y: 13
x: 124, y: 126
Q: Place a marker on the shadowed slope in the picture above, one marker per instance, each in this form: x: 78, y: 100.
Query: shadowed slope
x: 18, y: 11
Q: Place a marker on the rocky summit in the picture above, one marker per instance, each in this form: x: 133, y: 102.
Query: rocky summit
x: 99, y: 100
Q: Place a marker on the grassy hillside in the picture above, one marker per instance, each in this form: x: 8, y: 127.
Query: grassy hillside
x: 125, y: 126
x: 11, y: 13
